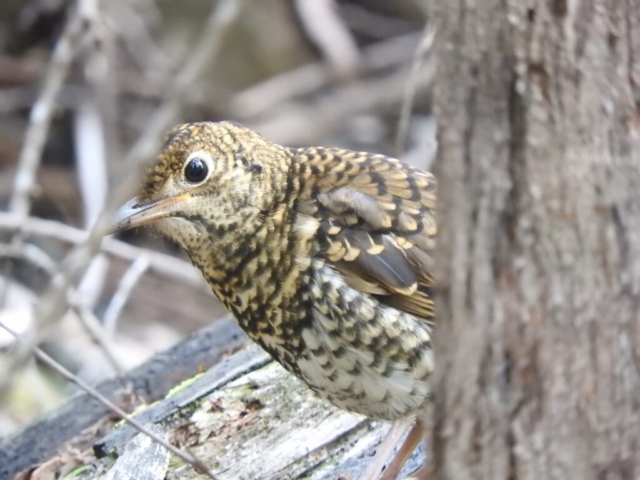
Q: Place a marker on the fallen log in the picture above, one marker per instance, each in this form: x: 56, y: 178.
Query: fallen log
x: 245, y: 418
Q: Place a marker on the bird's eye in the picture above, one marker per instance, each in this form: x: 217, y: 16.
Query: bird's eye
x: 196, y: 170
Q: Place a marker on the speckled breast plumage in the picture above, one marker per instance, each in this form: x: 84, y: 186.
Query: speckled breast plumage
x: 362, y: 355
x: 349, y: 348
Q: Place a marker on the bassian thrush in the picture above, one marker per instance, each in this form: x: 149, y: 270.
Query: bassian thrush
x: 321, y: 254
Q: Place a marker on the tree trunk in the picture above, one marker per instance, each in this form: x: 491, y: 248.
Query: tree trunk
x: 538, y: 342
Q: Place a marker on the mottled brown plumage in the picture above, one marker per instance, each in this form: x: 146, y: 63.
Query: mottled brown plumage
x: 321, y: 254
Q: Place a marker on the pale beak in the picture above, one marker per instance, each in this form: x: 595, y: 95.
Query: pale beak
x: 134, y: 214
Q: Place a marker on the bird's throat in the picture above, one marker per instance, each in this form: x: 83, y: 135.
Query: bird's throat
x: 255, y: 272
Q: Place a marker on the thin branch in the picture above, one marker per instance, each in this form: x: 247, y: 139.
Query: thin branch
x: 42, y: 260
x: 196, y: 463
x: 94, y: 329
x: 91, y: 159
x: 54, y: 301
x: 161, y: 264
x: 410, y: 88
x: 97, y: 333
x: 42, y: 112
x: 31, y: 254
x: 40, y: 120
x: 309, y: 79
x: 327, y: 30
x: 91, y: 167
x: 129, y: 280
x: 298, y: 123
x: 138, y: 41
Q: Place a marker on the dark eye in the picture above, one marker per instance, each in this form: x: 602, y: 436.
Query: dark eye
x: 196, y: 170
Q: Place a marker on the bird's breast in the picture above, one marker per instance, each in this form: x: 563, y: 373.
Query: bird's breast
x: 267, y: 293
x: 351, y: 349
x: 361, y: 355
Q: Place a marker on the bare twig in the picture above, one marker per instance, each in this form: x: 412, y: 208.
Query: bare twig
x: 328, y: 31
x: 410, y: 88
x: 129, y: 281
x: 97, y: 333
x: 139, y: 43
x: 298, y: 123
x: 261, y: 98
x: 91, y: 160
x: 42, y: 260
x: 31, y: 254
x: 40, y: 120
x: 162, y: 264
x: 54, y: 301
x: 42, y: 111
x: 197, y: 464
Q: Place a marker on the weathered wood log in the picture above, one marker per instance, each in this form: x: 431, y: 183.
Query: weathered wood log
x: 246, y: 418
x: 150, y: 381
x: 143, y: 459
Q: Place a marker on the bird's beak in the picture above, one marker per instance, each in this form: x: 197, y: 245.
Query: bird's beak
x: 135, y: 214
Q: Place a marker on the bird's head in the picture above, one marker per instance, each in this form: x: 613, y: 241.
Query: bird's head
x: 210, y: 181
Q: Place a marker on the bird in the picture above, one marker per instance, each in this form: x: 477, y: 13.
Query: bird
x: 322, y: 255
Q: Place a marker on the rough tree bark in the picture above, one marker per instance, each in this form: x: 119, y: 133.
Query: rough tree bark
x: 538, y: 343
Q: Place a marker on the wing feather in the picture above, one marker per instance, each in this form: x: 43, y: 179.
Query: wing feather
x: 376, y: 224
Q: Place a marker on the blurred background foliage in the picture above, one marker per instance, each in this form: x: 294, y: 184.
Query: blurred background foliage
x: 301, y: 72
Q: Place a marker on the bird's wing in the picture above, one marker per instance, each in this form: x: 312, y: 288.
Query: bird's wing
x: 376, y: 224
